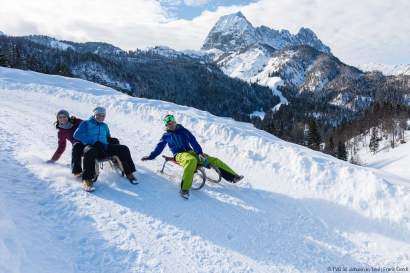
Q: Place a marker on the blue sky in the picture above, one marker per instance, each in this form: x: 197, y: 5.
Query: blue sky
x: 188, y: 10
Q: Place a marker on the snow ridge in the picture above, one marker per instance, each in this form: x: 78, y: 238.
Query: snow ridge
x: 50, y: 42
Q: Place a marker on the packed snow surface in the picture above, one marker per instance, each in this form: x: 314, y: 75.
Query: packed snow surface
x: 297, y: 210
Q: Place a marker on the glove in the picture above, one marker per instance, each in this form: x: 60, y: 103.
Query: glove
x: 204, y: 160
x: 145, y: 158
x: 113, y: 140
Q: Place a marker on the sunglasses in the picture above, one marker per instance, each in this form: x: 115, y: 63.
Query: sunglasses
x: 62, y: 116
x: 100, y: 115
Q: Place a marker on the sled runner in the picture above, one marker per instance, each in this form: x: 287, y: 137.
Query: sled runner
x: 115, y: 164
x: 201, y: 175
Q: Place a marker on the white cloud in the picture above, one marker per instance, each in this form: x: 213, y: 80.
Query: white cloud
x: 192, y: 3
x: 196, y: 2
x: 357, y: 31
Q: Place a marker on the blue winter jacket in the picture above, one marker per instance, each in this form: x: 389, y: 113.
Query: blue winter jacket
x: 90, y: 131
x: 180, y: 140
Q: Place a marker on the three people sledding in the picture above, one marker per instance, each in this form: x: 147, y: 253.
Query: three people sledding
x: 92, y: 140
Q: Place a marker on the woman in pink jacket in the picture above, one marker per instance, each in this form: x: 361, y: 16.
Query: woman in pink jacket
x: 66, y: 127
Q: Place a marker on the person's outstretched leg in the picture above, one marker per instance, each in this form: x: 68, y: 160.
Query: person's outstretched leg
x: 189, y: 162
x: 90, y: 155
x: 124, y: 154
x: 226, y: 172
x: 76, y: 154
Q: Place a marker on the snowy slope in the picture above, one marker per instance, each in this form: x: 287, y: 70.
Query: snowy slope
x: 395, y: 161
x: 256, y: 65
x: 50, y: 42
x: 386, y: 69
x: 297, y: 210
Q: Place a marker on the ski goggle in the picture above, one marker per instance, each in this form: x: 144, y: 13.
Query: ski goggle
x: 168, y: 119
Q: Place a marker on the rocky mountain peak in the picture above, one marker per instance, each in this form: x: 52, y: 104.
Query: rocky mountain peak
x: 306, y: 36
x: 233, y: 32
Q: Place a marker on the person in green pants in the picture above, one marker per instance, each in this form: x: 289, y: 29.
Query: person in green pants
x: 188, y: 153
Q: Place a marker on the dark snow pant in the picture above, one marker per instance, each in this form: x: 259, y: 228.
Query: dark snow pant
x: 94, y: 152
x: 227, y: 175
x: 76, y: 155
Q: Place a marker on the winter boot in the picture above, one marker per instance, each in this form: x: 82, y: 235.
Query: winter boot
x: 88, y: 185
x: 237, y: 178
x: 184, y: 194
x: 131, y: 178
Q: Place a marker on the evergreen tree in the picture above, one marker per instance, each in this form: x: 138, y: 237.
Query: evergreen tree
x: 331, y: 146
x: 374, y: 141
x: 341, y: 151
x: 63, y: 70
x: 313, y: 135
x: 355, y: 159
x: 3, y: 60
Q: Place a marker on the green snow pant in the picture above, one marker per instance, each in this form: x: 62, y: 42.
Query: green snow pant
x: 189, y: 161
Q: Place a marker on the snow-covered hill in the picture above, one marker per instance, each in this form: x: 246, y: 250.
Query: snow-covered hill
x: 386, y: 69
x: 50, y: 42
x: 393, y: 160
x: 297, y: 210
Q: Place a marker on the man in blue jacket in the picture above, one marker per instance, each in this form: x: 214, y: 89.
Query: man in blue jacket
x: 188, y: 153
x: 96, y: 142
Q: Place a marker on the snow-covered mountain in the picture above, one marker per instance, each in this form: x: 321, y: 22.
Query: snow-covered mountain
x: 2, y: 33
x: 164, y: 51
x: 297, y: 210
x: 50, y: 42
x: 234, y: 32
x: 265, y: 56
x: 99, y: 48
x: 297, y: 67
x: 387, y: 69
